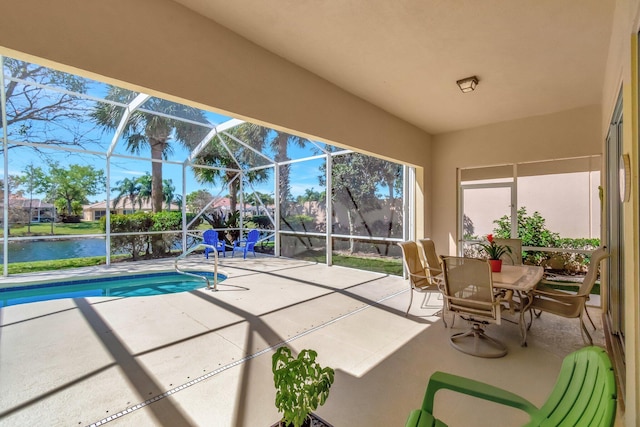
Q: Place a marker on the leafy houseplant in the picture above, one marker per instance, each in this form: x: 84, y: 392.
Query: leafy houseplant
x: 301, y: 384
x: 493, y: 250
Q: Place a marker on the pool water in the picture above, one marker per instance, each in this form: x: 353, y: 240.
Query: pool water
x: 119, y: 286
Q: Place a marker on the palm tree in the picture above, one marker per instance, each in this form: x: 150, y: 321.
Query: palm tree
x: 144, y: 192
x: 216, y: 155
x: 280, y: 144
x: 148, y: 130
x: 168, y: 192
x: 127, y: 189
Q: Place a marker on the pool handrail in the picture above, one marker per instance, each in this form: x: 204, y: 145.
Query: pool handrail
x: 215, y: 265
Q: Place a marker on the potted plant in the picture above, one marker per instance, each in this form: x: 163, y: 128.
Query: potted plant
x: 494, y: 252
x: 301, y: 386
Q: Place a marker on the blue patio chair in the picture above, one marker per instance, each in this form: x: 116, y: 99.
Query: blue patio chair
x: 247, y: 244
x: 210, y: 237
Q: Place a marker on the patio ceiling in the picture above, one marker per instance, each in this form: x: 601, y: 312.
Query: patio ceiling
x: 531, y: 58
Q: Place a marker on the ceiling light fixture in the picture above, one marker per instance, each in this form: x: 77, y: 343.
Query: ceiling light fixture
x: 468, y: 84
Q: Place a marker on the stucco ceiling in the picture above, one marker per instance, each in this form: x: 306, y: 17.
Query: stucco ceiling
x: 532, y: 57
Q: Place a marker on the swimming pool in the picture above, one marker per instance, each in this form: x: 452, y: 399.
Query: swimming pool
x: 117, y: 286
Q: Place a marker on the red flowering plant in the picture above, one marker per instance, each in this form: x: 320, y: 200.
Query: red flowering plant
x: 494, y: 250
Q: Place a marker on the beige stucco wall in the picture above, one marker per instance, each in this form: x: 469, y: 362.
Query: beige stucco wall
x: 572, y: 133
x: 203, y: 64
x: 622, y: 72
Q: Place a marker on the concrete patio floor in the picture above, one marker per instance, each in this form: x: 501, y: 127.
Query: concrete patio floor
x: 203, y: 358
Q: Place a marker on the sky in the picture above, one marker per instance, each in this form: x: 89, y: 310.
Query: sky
x: 96, y: 141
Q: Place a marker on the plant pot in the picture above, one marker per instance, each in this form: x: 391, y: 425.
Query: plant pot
x: 312, y: 421
x: 496, y: 265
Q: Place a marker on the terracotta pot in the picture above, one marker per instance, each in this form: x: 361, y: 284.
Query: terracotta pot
x: 496, y: 265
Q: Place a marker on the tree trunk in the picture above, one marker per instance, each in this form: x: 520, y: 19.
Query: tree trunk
x: 234, y: 187
x: 156, y: 176
x: 352, y: 242
x: 156, y: 192
x: 392, y: 210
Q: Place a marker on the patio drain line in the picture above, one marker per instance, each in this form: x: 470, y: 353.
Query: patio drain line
x: 175, y: 390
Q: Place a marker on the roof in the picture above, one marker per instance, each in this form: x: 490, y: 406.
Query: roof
x: 22, y: 202
x: 125, y: 205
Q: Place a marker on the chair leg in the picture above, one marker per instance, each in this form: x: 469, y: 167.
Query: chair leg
x: 482, y: 344
x: 410, y: 301
x: 531, y: 319
x: 583, y: 327
x: 589, y: 317
x: 444, y: 319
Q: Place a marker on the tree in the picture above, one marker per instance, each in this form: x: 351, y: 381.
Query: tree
x: 33, y: 180
x: 389, y: 175
x: 144, y: 191
x: 74, y: 183
x: 13, y: 185
x: 280, y: 144
x: 129, y: 189
x: 168, y: 192
x: 177, y: 199
x: 148, y: 130
x: 197, y: 200
x: 257, y: 199
x: 36, y: 114
x: 354, y: 188
x: 196, y: 203
x: 531, y: 229
x: 227, y: 163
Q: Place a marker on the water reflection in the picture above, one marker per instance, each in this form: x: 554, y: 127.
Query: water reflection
x: 42, y: 250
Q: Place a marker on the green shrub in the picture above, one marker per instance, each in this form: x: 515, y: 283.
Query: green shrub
x: 300, y: 222
x: 260, y: 221
x: 533, y: 232
x: 144, y: 222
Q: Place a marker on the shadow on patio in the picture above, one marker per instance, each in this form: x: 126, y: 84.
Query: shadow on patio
x: 204, y: 358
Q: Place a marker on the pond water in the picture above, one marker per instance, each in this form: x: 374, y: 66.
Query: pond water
x: 42, y: 250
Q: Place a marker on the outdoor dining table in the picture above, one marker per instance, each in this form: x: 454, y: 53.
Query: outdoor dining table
x: 522, y: 280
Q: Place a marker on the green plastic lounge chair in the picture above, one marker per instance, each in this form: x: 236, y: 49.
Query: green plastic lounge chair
x: 584, y: 394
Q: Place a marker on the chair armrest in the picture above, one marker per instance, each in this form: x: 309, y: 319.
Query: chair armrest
x: 546, y: 281
x: 441, y: 380
x: 558, y: 295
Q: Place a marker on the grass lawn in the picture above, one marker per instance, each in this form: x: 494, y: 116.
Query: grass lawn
x: 376, y: 264
x: 44, y: 229
x: 59, y: 264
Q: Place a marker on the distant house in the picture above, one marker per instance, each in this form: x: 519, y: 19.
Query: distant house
x: 19, y: 210
x: 95, y: 211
